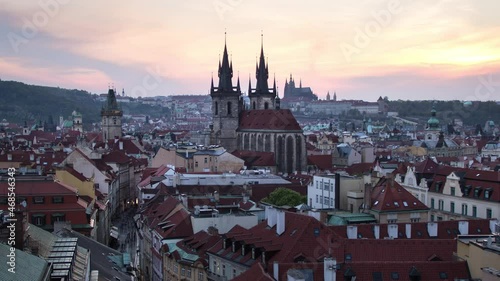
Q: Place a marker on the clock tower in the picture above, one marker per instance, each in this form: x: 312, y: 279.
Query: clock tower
x: 111, y: 114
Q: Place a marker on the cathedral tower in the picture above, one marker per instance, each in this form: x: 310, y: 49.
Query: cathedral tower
x: 111, y: 115
x: 262, y: 97
x: 226, y: 105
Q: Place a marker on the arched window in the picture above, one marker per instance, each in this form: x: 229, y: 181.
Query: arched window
x: 216, y: 108
x: 266, y: 105
x: 229, y: 105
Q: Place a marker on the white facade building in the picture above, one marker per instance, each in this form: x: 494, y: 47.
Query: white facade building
x: 321, y: 192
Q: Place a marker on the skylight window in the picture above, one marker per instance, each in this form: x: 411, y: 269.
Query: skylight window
x: 396, y: 204
x: 405, y: 203
x: 375, y: 204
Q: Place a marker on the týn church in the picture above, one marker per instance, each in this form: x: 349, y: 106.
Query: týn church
x: 264, y: 127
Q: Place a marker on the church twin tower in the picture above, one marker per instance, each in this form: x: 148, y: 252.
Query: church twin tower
x: 264, y: 127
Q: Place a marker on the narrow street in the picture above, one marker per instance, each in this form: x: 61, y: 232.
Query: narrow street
x: 126, y: 228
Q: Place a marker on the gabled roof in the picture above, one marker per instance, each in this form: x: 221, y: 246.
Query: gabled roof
x: 428, y: 166
x: 389, y: 196
x: 268, y: 119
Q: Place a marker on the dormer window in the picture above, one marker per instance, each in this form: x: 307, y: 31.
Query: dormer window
x: 253, y: 253
x: 477, y: 192
x: 242, y: 250
x: 487, y: 193
x: 233, y: 247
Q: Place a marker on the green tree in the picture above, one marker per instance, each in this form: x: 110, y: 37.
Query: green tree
x: 284, y: 196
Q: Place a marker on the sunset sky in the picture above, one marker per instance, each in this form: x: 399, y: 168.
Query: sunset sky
x: 360, y: 49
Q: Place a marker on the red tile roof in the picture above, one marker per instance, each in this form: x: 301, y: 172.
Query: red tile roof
x: 255, y: 273
x: 116, y: 156
x: 323, y: 162
x: 255, y: 158
x: 389, y: 196
x: 268, y: 119
x: 428, y: 166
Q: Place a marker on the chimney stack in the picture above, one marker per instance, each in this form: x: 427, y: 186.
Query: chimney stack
x: 280, y: 222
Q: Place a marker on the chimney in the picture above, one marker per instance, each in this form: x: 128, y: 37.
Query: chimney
x: 376, y: 231
x: 432, y: 229
x: 120, y: 145
x: 9, y: 157
x: 276, y: 270
x: 329, y: 269
x: 352, y: 232
x: 463, y: 227
x: 392, y: 230
x: 280, y: 224
x: 271, y: 217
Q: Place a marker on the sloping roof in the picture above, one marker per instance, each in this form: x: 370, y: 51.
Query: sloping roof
x: 28, y: 267
x: 255, y: 273
x: 428, y: 166
x: 323, y: 162
x: 389, y: 196
x: 268, y: 119
x: 255, y: 158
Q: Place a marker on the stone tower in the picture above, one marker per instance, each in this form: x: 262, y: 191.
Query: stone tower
x: 111, y: 114
x: 226, y: 105
x: 77, y: 121
x: 262, y: 97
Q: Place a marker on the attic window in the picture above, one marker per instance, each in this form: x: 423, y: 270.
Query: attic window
x: 419, y: 233
x: 487, y: 193
x: 395, y: 275
x: 383, y: 190
x: 316, y: 232
x: 396, y: 204
x: 348, y: 257
x: 466, y: 190
x: 477, y: 191
x: 375, y: 204
x: 405, y: 203
x: 443, y: 275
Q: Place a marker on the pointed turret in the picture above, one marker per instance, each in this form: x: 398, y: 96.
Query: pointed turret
x: 212, y: 84
x: 274, y: 84
x: 262, y: 73
x: 238, y: 88
x: 225, y: 73
x: 249, y: 85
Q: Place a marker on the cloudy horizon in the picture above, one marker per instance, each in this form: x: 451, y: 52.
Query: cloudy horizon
x: 399, y: 49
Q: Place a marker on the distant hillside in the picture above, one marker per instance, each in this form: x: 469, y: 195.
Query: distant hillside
x: 471, y: 113
x: 20, y: 102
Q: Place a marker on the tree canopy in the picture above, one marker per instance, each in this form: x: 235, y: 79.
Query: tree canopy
x: 283, y: 196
